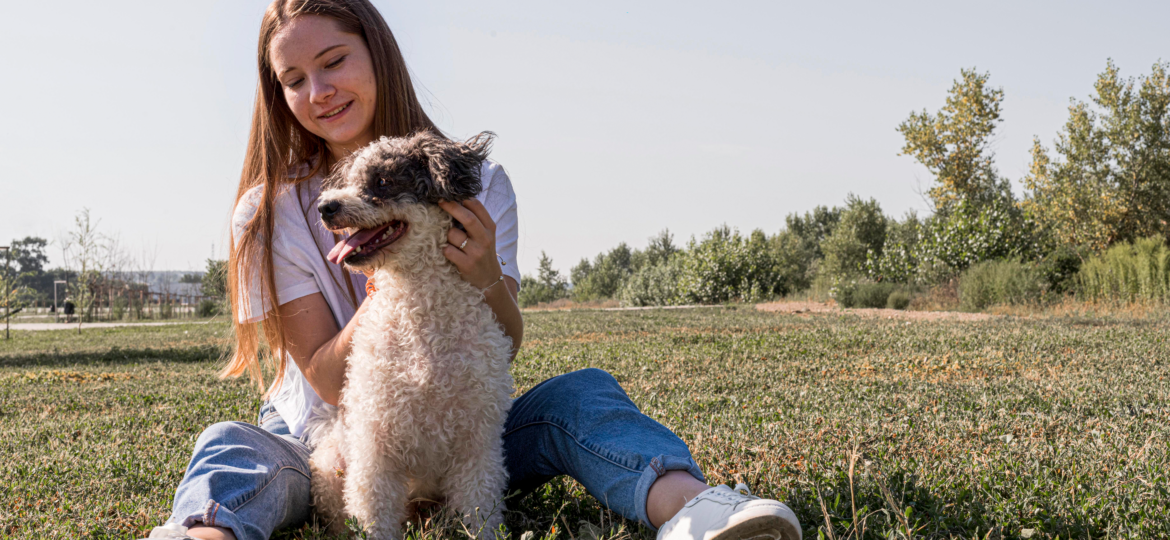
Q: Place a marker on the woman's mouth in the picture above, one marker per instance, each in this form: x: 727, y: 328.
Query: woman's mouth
x: 335, y: 113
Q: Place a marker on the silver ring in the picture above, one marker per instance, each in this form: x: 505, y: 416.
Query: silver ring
x: 464, y: 244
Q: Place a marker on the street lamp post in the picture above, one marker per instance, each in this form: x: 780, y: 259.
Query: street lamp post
x: 57, y: 310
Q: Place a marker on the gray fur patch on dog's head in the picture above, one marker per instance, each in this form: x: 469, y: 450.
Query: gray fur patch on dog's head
x: 424, y: 167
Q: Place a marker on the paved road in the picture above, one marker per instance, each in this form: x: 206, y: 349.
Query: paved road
x: 73, y: 326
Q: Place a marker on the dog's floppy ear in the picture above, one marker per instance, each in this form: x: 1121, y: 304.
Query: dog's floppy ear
x: 454, y: 166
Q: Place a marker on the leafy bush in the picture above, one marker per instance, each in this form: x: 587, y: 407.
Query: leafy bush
x: 899, y: 300
x: 1006, y: 281
x: 1060, y: 267
x: 725, y: 267
x: 118, y: 308
x: 898, y: 260
x: 209, y: 308
x: 794, y: 261
x: 655, y: 285
x: 214, y: 280
x: 970, y: 233
x: 1127, y: 272
x: 863, y: 294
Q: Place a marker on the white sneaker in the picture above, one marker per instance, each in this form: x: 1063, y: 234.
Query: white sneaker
x: 722, y: 514
x: 170, y: 531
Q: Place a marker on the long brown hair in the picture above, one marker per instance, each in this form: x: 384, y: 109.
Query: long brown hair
x: 278, y: 144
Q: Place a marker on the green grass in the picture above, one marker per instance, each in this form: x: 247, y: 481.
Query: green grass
x: 869, y: 428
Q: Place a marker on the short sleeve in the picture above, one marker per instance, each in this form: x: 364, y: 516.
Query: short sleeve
x: 251, y: 304
x: 291, y: 280
x: 499, y: 199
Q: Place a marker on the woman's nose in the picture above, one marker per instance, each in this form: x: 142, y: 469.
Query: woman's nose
x: 321, y: 90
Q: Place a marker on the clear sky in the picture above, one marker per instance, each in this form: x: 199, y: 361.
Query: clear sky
x: 615, y: 119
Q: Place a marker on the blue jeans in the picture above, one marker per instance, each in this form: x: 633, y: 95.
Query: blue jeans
x: 254, y: 480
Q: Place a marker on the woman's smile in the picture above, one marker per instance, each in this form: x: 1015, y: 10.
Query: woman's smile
x: 336, y: 114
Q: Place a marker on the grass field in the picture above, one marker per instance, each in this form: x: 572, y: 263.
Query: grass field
x: 867, y: 428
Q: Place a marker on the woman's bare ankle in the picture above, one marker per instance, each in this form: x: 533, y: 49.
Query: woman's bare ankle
x: 669, y: 494
x: 210, y: 533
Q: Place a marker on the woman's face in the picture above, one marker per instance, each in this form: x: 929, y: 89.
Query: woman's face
x: 328, y: 81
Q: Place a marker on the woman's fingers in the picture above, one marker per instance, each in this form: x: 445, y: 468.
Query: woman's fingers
x: 456, y: 238
x: 481, y: 213
x: 473, y: 249
x: 473, y: 225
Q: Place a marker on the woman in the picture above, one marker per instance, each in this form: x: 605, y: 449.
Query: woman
x: 332, y: 80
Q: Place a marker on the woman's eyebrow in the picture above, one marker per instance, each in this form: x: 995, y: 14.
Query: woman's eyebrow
x: 327, y: 49
x: 319, y: 55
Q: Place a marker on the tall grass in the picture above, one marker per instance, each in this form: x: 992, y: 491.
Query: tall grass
x: 1128, y: 272
x: 999, y: 282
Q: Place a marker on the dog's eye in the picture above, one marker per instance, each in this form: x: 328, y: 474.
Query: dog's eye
x: 382, y: 183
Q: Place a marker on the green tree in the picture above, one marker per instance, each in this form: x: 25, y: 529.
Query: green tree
x: 1111, y: 179
x: 660, y: 249
x: 548, y: 285
x: 860, y: 235
x: 955, y: 144
x: 604, y: 277
x: 214, y: 280
x: 898, y: 261
x: 29, y: 260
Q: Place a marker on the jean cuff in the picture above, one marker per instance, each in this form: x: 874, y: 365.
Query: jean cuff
x: 214, y: 515
x: 658, y: 467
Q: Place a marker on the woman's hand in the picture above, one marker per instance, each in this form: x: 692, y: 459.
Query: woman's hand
x: 473, y: 250
x: 477, y: 262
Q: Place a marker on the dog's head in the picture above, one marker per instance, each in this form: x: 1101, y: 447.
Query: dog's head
x: 386, y: 195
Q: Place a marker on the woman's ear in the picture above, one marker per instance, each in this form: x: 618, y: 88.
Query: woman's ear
x: 455, y: 166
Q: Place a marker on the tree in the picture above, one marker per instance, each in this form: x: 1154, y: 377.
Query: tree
x: 604, y: 277
x: 548, y: 285
x: 660, y: 249
x: 89, y: 253
x: 29, y: 260
x: 214, y: 281
x: 955, y: 144
x: 859, y: 235
x: 1111, y: 179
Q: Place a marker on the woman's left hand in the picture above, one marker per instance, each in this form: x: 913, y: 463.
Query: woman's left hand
x: 473, y: 250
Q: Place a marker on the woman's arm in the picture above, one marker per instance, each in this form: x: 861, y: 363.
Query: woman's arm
x: 316, y: 344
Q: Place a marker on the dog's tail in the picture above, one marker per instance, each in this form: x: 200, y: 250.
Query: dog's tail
x: 320, y: 424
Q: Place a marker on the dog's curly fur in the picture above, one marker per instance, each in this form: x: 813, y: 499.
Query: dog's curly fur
x: 427, y: 387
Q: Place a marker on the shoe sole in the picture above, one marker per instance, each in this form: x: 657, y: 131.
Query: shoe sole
x: 764, y: 526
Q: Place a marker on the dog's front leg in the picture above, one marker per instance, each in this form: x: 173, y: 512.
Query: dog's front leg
x: 475, y: 487
x: 375, y: 492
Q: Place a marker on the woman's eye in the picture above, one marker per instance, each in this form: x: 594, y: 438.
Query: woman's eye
x: 335, y: 63
x: 294, y: 84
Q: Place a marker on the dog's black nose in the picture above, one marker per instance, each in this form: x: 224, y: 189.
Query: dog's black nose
x: 328, y: 208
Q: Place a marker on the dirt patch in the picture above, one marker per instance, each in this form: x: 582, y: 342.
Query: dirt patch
x: 819, y: 307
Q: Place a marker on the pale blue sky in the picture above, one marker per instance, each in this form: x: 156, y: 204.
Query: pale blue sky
x: 614, y: 119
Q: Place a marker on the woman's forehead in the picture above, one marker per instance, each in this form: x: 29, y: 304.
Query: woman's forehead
x: 304, y: 38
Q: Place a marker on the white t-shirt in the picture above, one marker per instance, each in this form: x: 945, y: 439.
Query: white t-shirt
x: 299, y: 246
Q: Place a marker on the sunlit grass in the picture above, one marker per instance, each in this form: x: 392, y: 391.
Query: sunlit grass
x: 866, y: 427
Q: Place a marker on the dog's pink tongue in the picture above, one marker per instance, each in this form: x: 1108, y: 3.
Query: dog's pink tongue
x: 347, y: 246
